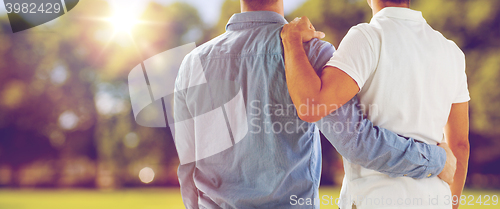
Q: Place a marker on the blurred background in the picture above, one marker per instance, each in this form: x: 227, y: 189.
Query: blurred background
x: 67, y: 130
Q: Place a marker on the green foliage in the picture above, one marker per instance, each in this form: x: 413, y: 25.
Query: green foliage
x: 334, y: 18
x: 229, y: 7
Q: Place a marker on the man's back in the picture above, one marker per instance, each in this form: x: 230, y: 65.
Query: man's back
x: 419, y: 75
x: 280, y: 156
x: 409, y: 79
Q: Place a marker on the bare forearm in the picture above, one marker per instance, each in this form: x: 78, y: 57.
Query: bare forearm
x: 457, y: 135
x: 303, y: 83
x: 461, y: 151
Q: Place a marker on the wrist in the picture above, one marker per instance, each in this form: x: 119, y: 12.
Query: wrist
x: 437, y: 161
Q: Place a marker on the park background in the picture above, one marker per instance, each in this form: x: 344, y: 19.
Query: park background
x: 68, y: 138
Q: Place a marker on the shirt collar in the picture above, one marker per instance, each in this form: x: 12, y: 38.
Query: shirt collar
x: 256, y: 17
x: 400, y: 13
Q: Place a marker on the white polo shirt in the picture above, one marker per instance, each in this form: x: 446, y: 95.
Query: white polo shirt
x: 409, y: 76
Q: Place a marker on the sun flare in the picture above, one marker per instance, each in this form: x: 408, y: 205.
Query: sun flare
x: 122, y: 22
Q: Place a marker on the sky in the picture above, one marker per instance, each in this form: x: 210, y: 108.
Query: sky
x: 209, y: 9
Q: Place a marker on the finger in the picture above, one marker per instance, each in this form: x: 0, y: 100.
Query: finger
x: 312, y: 27
x: 319, y: 34
x: 306, y: 20
x: 296, y: 20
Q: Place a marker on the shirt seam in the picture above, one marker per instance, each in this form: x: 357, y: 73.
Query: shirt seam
x: 348, y: 70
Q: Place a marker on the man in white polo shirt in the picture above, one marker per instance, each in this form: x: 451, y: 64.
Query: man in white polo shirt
x: 412, y: 78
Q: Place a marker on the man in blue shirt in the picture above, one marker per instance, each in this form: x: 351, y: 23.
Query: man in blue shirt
x: 277, y: 159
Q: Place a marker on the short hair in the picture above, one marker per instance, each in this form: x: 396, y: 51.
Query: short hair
x: 398, y: 1
x: 257, y: 4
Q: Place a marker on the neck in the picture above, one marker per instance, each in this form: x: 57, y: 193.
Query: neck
x: 275, y: 7
x: 379, y: 5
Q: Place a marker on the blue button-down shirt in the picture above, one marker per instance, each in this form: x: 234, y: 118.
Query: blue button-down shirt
x: 278, y: 161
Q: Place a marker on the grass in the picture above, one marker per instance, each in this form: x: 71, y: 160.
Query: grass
x: 90, y: 199
x: 136, y: 199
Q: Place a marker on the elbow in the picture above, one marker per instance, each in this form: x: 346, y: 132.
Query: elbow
x: 461, y: 146
x: 308, y: 112
x: 464, y: 148
x: 461, y: 149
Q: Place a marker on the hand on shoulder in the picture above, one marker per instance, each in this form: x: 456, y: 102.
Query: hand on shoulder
x: 300, y: 29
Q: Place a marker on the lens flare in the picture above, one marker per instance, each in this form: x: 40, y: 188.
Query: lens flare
x: 146, y: 175
x: 123, y: 21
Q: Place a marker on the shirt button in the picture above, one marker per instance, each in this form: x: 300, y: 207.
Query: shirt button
x: 430, y: 174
